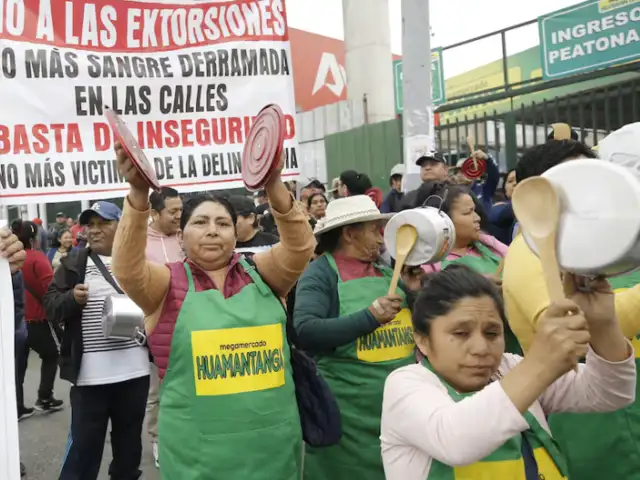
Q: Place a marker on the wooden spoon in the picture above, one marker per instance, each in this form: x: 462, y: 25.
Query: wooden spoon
x: 537, y: 208
x: 406, y: 237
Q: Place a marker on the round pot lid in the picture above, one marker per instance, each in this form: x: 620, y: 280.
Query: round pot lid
x: 473, y: 168
x: 130, y: 144
x: 263, y: 147
x: 599, y: 222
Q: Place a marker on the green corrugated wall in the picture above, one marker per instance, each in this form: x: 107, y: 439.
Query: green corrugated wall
x: 371, y: 149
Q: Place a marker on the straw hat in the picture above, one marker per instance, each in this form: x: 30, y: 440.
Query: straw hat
x: 347, y: 211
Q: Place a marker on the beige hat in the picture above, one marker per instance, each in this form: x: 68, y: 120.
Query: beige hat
x: 347, y: 211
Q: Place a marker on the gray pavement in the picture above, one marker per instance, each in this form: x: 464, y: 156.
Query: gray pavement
x: 43, y: 437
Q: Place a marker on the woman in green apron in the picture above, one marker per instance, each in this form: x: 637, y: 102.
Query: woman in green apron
x: 471, y: 411
x: 216, y: 329
x: 477, y: 250
x: 358, y: 333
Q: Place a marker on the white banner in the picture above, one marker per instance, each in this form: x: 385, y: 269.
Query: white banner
x: 187, y: 79
x: 9, y: 442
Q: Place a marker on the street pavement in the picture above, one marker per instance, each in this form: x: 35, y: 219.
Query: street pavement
x: 43, y: 437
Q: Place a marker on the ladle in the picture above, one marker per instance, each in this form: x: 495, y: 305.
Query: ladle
x: 537, y: 209
x: 406, y: 237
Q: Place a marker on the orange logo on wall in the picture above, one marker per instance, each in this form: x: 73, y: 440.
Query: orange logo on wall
x: 319, y: 74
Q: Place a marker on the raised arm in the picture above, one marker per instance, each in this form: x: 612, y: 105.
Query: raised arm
x: 607, y: 381
x: 525, y: 293
x: 282, y: 265
x: 146, y: 283
x: 418, y: 411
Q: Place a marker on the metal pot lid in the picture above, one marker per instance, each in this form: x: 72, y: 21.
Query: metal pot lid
x: 473, y: 168
x: 599, y: 221
x: 130, y: 144
x: 263, y: 146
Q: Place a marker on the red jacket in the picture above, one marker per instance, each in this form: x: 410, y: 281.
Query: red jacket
x: 37, y: 275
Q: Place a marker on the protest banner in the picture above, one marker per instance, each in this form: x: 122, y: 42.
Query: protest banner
x: 187, y: 79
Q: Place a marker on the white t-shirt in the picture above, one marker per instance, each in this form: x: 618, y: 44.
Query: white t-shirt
x: 106, y: 360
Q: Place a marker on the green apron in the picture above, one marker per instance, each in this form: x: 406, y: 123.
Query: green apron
x: 603, y: 446
x: 505, y: 463
x: 487, y: 264
x: 356, y: 373
x: 228, y: 409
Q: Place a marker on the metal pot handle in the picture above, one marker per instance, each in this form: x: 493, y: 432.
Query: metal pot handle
x: 139, y: 337
x: 442, y: 199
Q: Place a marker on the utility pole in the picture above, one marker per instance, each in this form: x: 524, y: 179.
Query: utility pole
x: 368, y: 59
x: 417, y: 118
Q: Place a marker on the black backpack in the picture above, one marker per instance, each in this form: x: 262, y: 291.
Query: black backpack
x: 319, y: 412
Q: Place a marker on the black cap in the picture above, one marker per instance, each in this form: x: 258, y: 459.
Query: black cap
x: 433, y: 157
x: 261, y: 193
x: 243, y: 206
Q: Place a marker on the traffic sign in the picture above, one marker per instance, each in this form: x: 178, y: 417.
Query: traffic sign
x: 588, y: 36
x: 438, y: 96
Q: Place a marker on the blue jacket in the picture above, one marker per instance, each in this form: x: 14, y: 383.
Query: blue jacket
x: 502, y: 221
x: 484, y: 191
x: 52, y: 251
x: 18, y: 306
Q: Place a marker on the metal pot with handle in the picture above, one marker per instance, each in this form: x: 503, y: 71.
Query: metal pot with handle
x: 599, y: 229
x: 436, y: 234
x: 123, y: 319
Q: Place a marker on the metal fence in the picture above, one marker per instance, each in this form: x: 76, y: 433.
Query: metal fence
x: 592, y: 113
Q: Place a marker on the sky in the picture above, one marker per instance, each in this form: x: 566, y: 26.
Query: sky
x: 452, y: 21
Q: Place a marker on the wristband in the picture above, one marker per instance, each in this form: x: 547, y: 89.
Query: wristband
x: 377, y: 307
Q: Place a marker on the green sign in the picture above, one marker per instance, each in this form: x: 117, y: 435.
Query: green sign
x: 437, y: 81
x: 590, y: 35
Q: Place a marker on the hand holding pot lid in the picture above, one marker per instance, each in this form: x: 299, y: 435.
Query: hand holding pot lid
x: 262, y: 155
x: 133, y: 164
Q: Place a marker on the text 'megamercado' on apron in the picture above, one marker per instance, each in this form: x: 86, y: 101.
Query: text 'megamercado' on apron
x: 356, y: 373
x: 228, y: 387
x: 238, y: 360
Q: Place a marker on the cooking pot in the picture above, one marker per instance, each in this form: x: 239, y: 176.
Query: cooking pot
x: 123, y: 319
x: 436, y: 234
x: 599, y: 230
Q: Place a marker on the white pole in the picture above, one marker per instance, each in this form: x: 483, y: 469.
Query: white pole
x: 417, y: 117
x: 43, y: 215
x: 368, y: 59
x: 32, y: 211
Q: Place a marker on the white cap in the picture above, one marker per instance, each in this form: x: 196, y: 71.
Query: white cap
x: 398, y: 169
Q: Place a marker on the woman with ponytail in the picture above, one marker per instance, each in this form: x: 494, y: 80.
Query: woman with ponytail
x: 43, y: 336
x: 354, y: 183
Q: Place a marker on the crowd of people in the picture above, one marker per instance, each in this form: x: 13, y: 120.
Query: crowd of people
x: 465, y: 370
